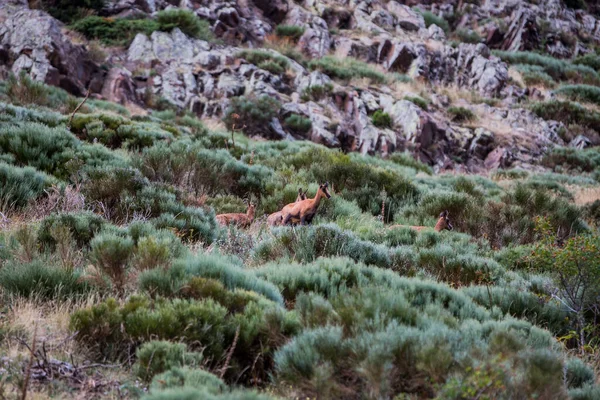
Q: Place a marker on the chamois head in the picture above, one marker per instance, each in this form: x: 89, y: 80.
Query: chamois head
x: 323, y: 188
x: 444, y: 222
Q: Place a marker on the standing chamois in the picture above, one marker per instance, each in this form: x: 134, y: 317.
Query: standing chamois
x: 443, y: 223
x: 239, y: 219
x: 305, y: 210
x: 276, y: 218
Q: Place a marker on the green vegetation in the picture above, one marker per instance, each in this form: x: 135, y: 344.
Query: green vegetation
x: 559, y: 70
x: 71, y: 10
x: 419, y: 101
x: 381, y: 119
x: 461, y: 114
x: 534, y: 75
x: 583, y: 93
x: 432, y: 19
x: 265, y: 60
x: 347, y: 69
x: 317, y: 92
x: 121, y: 31
x: 113, y: 246
x: 289, y: 31
x: 568, y: 112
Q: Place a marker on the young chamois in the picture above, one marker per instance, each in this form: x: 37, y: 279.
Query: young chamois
x: 276, y: 218
x: 305, y: 210
x: 239, y: 219
x: 443, y: 223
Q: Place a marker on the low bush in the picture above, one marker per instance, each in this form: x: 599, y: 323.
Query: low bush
x: 461, y: 114
x: 114, y: 31
x: 71, y: 10
x: 19, y: 186
x: 566, y: 158
x: 468, y: 36
x: 316, y: 92
x: 111, y: 330
x: 83, y: 226
x: 558, y: 69
x: 534, y: 75
x: 250, y: 114
x: 184, y: 377
x: 156, y: 357
x: 419, y: 101
x: 266, y: 60
x: 568, y: 113
x: 585, y: 93
x: 298, y: 124
x: 382, y: 119
x: 290, y: 31
x: 186, y: 20
x: 111, y: 253
x: 43, y: 281
x: 432, y: 19
x: 346, y: 69
x: 592, y: 60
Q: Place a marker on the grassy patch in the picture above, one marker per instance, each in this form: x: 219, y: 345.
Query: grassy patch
x: 346, y: 69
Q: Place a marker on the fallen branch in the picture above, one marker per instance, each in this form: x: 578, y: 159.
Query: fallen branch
x: 230, y: 353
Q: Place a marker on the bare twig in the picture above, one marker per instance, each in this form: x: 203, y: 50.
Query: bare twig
x: 77, y: 109
x: 230, y: 353
x: 28, y: 371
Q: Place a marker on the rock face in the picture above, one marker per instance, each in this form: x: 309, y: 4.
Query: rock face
x: 33, y: 42
x: 391, y: 36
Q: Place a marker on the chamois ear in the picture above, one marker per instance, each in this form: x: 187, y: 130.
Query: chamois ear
x: 299, y: 190
x: 444, y: 214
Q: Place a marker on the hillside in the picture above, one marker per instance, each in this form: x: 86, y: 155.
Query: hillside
x: 128, y: 127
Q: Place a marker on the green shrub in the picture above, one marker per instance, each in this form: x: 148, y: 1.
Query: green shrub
x: 19, y: 186
x: 592, y: 60
x: 461, y: 114
x: 265, y: 60
x: 111, y: 253
x: 468, y: 36
x: 568, y: 113
x: 38, y: 280
x: 156, y: 357
x: 112, y: 330
x: 83, y: 226
x: 535, y: 75
x: 556, y: 68
x: 69, y: 10
x: 432, y: 19
x: 578, y: 374
x: 290, y: 31
x: 117, y: 31
x: 572, y: 159
x: 418, y: 101
x: 178, y: 377
x: 346, y: 69
x: 406, y: 159
x: 251, y: 114
x: 186, y: 21
x: 298, y: 123
x: 316, y: 92
x: 382, y: 119
x: 585, y: 93
x: 588, y: 392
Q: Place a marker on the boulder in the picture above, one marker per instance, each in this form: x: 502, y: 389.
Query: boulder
x: 119, y: 88
x: 522, y: 34
x: 407, y: 19
x: 34, y: 42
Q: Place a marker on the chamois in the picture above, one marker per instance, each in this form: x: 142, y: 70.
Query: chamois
x: 443, y: 223
x: 305, y: 210
x: 276, y: 218
x: 239, y: 219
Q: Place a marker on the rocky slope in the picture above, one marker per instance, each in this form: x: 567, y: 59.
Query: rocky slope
x: 408, y: 60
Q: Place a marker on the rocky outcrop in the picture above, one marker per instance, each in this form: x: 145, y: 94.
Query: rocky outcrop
x: 32, y: 41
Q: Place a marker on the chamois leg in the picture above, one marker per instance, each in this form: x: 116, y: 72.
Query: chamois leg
x: 303, y: 221
x: 286, y: 219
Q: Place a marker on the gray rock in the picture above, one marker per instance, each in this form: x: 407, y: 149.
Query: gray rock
x: 230, y: 85
x: 34, y: 42
x: 407, y: 19
x: 580, y: 142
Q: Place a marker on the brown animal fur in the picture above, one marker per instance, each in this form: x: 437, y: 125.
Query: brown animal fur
x: 277, y: 217
x: 239, y: 219
x: 442, y: 223
x: 305, y: 210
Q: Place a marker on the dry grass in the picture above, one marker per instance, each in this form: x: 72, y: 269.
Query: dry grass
x: 585, y: 195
